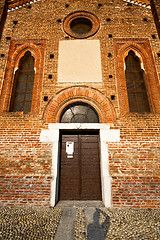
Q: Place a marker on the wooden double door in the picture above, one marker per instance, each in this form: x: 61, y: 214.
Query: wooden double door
x: 80, y: 166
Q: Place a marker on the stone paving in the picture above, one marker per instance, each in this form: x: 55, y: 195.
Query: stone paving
x: 28, y: 223
x: 90, y: 223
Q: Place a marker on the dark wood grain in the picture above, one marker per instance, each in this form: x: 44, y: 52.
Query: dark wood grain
x: 80, y: 175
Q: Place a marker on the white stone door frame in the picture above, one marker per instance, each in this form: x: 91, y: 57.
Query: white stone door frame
x: 106, y: 135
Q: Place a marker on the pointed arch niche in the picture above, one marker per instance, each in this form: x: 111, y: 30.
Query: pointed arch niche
x: 18, y: 51
x: 143, y: 56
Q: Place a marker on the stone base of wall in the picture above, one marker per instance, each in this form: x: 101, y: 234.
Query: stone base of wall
x: 25, y: 190
x: 133, y: 191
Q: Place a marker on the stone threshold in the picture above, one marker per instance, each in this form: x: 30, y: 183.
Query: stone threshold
x: 77, y: 204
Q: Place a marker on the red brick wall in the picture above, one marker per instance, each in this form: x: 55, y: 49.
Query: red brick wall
x: 135, y: 162
x: 136, y: 191
x: 25, y: 190
x: 3, y: 15
x: 155, y: 6
x: 25, y: 163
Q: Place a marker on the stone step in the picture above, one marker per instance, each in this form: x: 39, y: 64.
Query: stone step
x: 65, y: 230
x: 77, y: 204
x: 80, y: 220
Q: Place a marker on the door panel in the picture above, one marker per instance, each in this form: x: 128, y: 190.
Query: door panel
x: 80, y: 175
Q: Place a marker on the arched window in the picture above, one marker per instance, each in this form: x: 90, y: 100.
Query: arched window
x: 21, y: 98
x: 79, y: 113
x: 136, y: 87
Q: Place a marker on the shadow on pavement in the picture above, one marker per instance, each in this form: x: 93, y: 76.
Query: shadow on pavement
x: 97, y: 230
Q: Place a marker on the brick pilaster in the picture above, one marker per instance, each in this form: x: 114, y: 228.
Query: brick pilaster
x: 3, y: 14
x: 155, y: 6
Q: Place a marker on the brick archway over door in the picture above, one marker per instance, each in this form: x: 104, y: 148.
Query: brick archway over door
x: 95, y: 98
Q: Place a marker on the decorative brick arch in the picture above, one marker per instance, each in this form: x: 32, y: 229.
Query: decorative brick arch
x: 17, y: 51
x: 141, y: 48
x: 124, y: 50
x: 93, y: 97
x: 21, y: 50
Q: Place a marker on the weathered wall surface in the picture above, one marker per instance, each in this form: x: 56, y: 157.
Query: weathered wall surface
x: 135, y: 162
x: 3, y: 14
x: 25, y: 162
x: 155, y: 6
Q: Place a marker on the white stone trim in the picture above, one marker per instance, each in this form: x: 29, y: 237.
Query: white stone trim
x: 106, y: 135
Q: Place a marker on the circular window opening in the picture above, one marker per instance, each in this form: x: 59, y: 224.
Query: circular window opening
x: 81, y: 25
x: 79, y: 113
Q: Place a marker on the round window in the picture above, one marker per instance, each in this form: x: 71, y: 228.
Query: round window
x: 81, y: 24
x: 79, y: 113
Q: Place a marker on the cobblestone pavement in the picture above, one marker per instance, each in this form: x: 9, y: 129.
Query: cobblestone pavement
x: 90, y: 223
x: 28, y: 223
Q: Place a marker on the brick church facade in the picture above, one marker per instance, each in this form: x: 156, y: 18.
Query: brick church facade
x: 80, y: 102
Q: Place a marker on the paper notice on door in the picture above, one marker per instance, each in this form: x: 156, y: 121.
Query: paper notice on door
x: 69, y: 149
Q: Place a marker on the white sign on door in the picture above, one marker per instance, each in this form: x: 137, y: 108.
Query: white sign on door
x: 69, y: 149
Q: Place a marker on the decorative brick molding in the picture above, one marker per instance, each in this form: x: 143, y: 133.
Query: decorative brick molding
x: 88, y: 95
x: 16, y: 52
x: 14, y: 5
x: 142, y: 49
x: 141, y: 3
x: 81, y: 15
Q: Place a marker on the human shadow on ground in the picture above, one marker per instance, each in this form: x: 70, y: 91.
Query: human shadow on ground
x: 96, y: 230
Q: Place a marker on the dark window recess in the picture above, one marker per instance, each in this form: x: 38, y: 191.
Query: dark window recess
x: 79, y: 113
x: 108, y: 19
x: 112, y: 97
x: 109, y: 54
x: 51, y: 55
x: 59, y: 20
x: 2, y: 55
x: 21, y: 98
x: 15, y: 22
x: 158, y: 54
x: 29, y: 7
x: 45, y: 98
x: 110, y: 35
x: 67, y: 5
x: 8, y: 38
x: 81, y: 26
x: 136, y: 88
x: 50, y: 76
x: 99, y: 5
x: 145, y: 19
x: 66, y: 37
x: 110, y: 76
x: 153, y: 36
